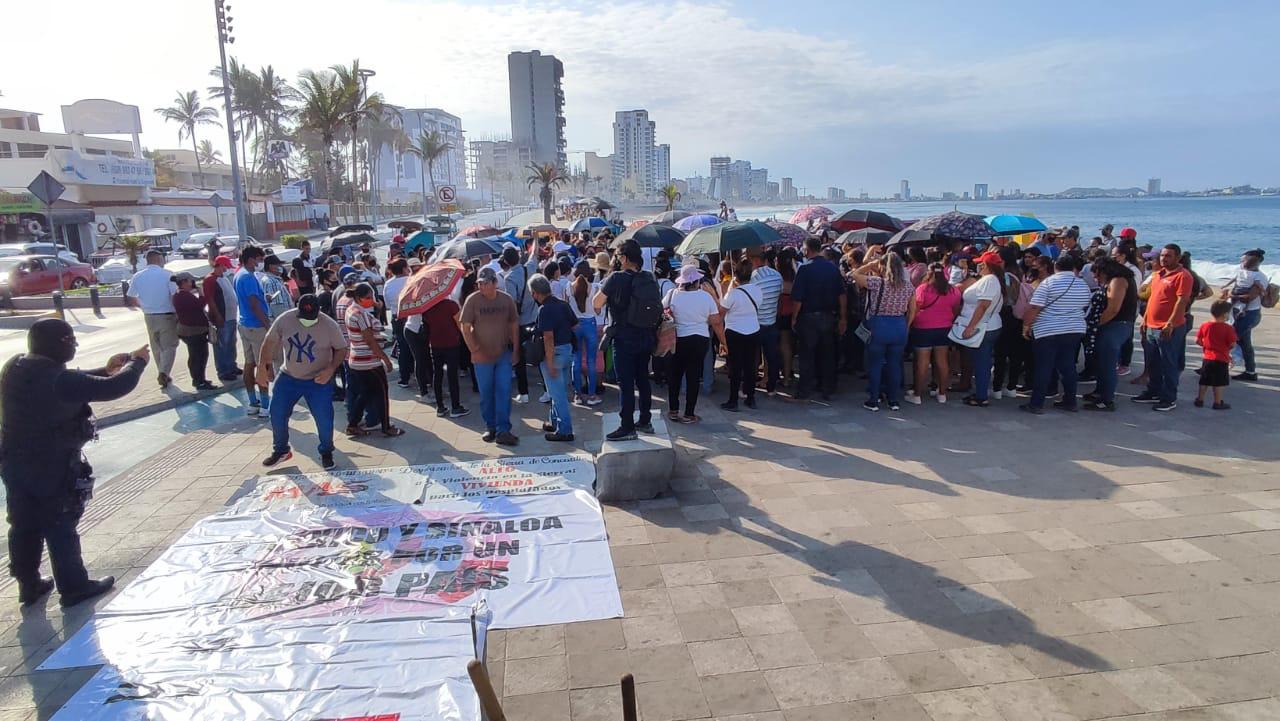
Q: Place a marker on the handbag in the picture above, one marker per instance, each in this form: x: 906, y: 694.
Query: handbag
x: 863, y: 331
x: 533, y: 350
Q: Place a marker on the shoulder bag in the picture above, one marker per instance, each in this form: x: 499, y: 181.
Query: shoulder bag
x: 863, y: 331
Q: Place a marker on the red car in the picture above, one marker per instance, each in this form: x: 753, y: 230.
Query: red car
x: 37, y: 274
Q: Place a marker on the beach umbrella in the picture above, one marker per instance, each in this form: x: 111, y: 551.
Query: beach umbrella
x: 810, y: 212
x: 865, y: 237
x: 430, y: 285
x: 955, y: 225
x: 593, y: 224
x: 859, y: 219
x: 405, y: 226
x: 599, y: 203
x: 792, y: 235
x: 424, y: 238
x: 479, y: 231
x: 911, y: 236
x: 651, y: 236
x: 637, y: 224
x: 536, y: 228
x: 694, y: 222
x: 1014, y: 224
x: 671, y: 217
x: 725, y: 237
x: 468, y: 248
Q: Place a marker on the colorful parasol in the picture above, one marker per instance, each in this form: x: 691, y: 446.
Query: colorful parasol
x: 430, y: 285
x: 810, y: 212
x: 792, y: 235
x: 955, y: 225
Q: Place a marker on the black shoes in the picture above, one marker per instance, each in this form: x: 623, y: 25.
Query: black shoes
x: 1097, y: 405
x: 548, y: 427
x: 93, y: 589
x: 1028, y: 408
x: 729, y: 406
x: 1064, y: 406
x: 1246, y: 376
x: 326, y: 461
x: 645, y: 427
x: 1145, y: 397
x: 275, y: 458
x: 559, y: 437
x: 30, y: 593
x: 489, y: 436
x: 506, y: 438
x: 622, y: 434
x: 205, y: 386
x: 459, y: 412
x: 1164, y: 406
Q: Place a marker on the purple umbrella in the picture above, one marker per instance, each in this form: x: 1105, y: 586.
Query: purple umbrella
x: 955, y: 226
x: 693, y: 222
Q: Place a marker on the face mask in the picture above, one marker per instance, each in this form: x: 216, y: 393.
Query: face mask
x: 53, y: 339
x: 365, y: 302
x: 308, y: 323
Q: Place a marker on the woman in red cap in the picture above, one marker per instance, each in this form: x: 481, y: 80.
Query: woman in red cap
x: 978, y: 325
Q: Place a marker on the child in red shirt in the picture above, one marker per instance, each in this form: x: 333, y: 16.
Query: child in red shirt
x: 1216, y: 337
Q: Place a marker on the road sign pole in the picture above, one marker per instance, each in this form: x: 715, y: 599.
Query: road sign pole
x: 231, y: 133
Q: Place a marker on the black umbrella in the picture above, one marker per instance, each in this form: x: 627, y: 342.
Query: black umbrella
x: 866, y: 237
x: 671, y: 217
x: 599, y: 203
x: 468, y: 248
x: 651, y: 236
x: 341, y: 240
x: 912, y: 237
x: 724, y: 237
x: 859, y: 219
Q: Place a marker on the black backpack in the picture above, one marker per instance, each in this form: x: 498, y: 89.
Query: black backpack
x: 644, y: 309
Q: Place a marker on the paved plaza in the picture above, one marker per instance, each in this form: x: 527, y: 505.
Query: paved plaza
x: 823, y: 563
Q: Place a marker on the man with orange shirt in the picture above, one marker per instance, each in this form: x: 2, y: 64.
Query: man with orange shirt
x: 1165, y: 326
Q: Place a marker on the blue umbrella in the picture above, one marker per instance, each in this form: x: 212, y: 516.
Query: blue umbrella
x: 1014, y: 224
x: 693, y: 222
x: 593, y: 224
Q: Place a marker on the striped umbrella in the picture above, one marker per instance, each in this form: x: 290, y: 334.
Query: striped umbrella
x: 430, y: 285
x: 810, y: 212
x: 693, y: 222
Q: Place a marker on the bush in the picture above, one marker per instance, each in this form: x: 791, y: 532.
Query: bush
x: 293, y: 240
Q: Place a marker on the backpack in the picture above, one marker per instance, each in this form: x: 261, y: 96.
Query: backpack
x: 1023, y: 302
x: 644, y: 309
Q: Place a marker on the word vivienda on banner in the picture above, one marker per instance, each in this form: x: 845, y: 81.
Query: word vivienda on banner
x: 364, y: 585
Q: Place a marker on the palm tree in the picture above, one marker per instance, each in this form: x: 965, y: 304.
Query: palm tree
x: 133, y: 245
x: 672, y: 195
x: 322, y: 113
x: 357, y: 107
x: 385, y: 130
x: 244, y: 93
x: 491, y: 175
x: 430, y: 147
x: 547, y: 177
x: 208, y: 154
x: 164, y: 168
x: 187, y: 112
x: 598, y: 180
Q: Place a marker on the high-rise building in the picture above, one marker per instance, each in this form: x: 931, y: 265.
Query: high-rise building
x: 905, y: 191
x: 719, y: 185
x: 662, y: 164
x: 758, y: 184
x: 633, y: 153
x: 980, y: 191
x: 739, y: 179
x: 537, y: 105
x: 399, y: 175
x: 773, y: 191
x: 506, y: 160
x: 836, y: 194
x: 1153, y: 186
x: 787, y: 190
x: 598, y: 166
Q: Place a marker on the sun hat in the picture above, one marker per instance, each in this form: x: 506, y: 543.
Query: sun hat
x: 689, y: 274
x: 603, y: 261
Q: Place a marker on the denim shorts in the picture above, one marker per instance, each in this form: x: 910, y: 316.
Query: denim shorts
x: 922, y: 338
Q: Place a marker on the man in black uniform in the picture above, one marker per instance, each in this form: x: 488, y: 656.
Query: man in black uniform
x: 45, y: 421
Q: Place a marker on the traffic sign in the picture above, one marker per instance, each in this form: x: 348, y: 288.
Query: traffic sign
x: 46, y: 188
x: 446, y: 193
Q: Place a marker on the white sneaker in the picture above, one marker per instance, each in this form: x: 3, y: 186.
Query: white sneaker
x: 942, y: 399
x: 997, y: 395
x: 913, y: 399
x: 545, y: 397
x: 253, y: 411
x: 522, y: 398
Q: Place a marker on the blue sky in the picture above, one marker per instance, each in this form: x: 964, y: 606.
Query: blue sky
x: 1031, y: 95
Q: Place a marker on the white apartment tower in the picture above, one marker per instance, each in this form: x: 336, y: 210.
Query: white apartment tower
x: 537, y: 105
x: 634, y: 156
x: 662, y: 164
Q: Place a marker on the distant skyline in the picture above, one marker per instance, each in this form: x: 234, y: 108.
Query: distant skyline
x: 852, y: 95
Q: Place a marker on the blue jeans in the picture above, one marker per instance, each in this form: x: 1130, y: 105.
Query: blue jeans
x: 558, y: 387
x: 884, y: 356
x: 224, y: 349
x: 1106, y: 356
x: 769, y: 346
x: 1244, y: 337
x: 1163, y: 355
x: 495, y: 393
x: 586, y: 339
x: 983, y: 358
x: 709, y: 369
x: 285, y: 395
x: 1055, y: 354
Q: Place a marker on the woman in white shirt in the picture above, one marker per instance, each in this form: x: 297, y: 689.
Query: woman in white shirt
x: 696, y: 315
x: 1245, y: 291
x: 586, y: 334
x: 741, y: 304
x: 979, y: 321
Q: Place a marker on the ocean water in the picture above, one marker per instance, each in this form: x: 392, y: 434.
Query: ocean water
x: 1214, y: 230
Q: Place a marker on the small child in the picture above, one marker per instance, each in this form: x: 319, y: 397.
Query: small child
x: 1216, y: 337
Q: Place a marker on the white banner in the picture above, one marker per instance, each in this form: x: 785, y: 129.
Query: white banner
x: 72, y: 167
x: 336, y: 596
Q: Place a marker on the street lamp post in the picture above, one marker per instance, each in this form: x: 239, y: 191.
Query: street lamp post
x: 365, y: 74
x: 220, y: 9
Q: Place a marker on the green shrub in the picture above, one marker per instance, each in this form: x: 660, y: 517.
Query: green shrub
x: 292, y: 240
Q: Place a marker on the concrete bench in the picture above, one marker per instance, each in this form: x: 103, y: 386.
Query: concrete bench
x: 634, y: 470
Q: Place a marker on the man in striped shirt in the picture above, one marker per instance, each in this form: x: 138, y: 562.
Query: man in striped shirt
x: 770, y: 283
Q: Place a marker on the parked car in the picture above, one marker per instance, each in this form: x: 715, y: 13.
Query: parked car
x: 37, y: 274
x: 114, y: 270
x: 230, y: 245
x: 196, y: 242
x: 38, y: 248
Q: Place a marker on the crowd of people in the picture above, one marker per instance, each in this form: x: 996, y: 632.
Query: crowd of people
x: 969, y: 322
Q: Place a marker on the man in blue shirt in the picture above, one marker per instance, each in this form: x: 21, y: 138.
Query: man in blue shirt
x: 1047, y: 244
x: 254, y: 322
x: 819, y: 316
x: 554, y: 325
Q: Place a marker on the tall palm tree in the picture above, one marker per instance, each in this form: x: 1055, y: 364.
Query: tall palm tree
x: 546, y: 177
x: 322, y: 113
x: 672, y: 195
x: 244, y: 92
x: 188, y: 113
x: 491, y: 175
x: 431, y: 146
x: 358, y: 107
x: 598, y: 180
x: 383, y: 131
x: 164, y: 168
x: 208, y: 154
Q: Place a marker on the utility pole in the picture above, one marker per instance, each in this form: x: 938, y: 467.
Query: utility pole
x: 220, y: 10
x: 365, y: 74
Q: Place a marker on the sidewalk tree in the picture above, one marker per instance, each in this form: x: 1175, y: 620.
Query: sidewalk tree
x: 546, y: 177
x: 357, y: 107
x: 431, y: 146
x: 188, y: 113
x: 133, y: 246
x: 208, y: 154
x: 322, y: 114
x: 671, y: 195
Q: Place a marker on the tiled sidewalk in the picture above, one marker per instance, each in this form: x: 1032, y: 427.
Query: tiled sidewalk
x: 814, y: 563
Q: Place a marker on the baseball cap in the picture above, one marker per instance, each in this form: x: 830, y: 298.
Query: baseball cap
x: 487, y: 275
x: 1128, y: 233
x: 222, y: 261
x: 991, y: 258
x: 308, y: 309
x: 350, y: 278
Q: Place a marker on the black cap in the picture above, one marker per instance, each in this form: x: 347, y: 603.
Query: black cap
x: 308, y: 306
